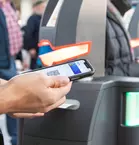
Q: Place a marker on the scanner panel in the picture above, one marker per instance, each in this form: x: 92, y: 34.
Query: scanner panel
x: 128, y: 135
x: 60, y: 119
x: 105, y: 128
x: 40, y: 141
x: 96, y: 122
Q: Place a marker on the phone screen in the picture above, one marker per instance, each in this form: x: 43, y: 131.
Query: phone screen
x: 69, y: 69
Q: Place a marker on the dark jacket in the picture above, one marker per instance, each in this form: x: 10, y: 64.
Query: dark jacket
x: 119, y: 60
x: 31, y: 30
x: 4, y: 43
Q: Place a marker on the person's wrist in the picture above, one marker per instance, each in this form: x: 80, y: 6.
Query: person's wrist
x: 4, y: 100
x: 8, y: 98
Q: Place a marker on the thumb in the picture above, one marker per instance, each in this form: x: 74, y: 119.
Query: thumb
x: 56, y: 81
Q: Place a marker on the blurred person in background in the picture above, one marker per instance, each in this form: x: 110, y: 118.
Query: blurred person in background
x: 25, y: 53
x: 10, y: 45
x: 32, y: 31
x: 23, y: 57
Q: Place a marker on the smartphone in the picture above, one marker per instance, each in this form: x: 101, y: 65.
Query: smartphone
x: 75, y: 70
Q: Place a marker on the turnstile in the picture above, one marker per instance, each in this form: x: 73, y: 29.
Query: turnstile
x: 70, y: 21
x: 108, y: 115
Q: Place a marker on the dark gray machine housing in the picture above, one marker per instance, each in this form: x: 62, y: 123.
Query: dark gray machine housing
x: 77, y: 21
x: 98, y: 121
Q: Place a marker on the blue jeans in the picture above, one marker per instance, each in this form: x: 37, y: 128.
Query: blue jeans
x: 11, y: 122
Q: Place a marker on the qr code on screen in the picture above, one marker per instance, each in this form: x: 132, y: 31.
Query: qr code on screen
x: 53, y: 73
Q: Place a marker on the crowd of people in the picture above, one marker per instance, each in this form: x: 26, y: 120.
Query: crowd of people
x: 30, y: 38
x: 18, y: 46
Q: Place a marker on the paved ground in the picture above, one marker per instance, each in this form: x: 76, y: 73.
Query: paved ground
x: 4, y: 130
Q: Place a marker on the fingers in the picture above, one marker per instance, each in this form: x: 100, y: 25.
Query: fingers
x: 55, y: 81
x: 26, y: 115
x: 56, y: 105
x: 65, y: 89
x: 62, y: 91
x: 55, y: 94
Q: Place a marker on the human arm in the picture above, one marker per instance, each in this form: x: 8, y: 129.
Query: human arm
x: 33, y: 93
x: 4, y: 110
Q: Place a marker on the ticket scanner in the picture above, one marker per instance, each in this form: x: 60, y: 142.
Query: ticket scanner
x: 74, y: 21
x: 102, y: 111
x: 107, y: 114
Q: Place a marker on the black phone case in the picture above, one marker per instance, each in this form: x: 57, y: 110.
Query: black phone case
x: 75, y: 77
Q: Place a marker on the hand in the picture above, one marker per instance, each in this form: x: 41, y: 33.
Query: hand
x: 33, y: 53
x: 36, y: 92
x: 26, y: 115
